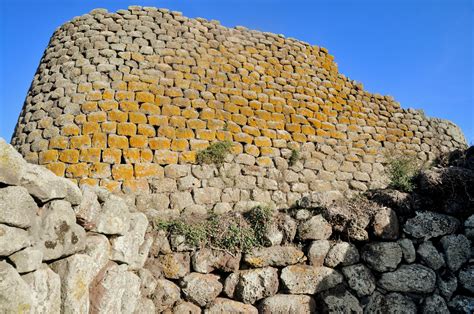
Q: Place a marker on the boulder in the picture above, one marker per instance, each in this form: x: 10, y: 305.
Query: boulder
x: 447, y: 284
x: 147, y: 282
x: 462, y: 304
x: 17, y: 207
x: 339, y: 301
x: 385, y: 224
x: 145, y: 305
x: 305, y: 279
x: 274, y: 256
x: 42, y: 184
x: 401, y: 202
x: 317, y: 252
x: 254, y: 284
x: 382, y: 256
x: 175, y: 265
x: 316, y: 228
x: 222, y: 305
x: 186, y: 307
x: 392, y: 303
x: 466, y: 278
x: 27, y: 260
x: 16, y: 296
x: 457, y: 249
x: 434, y: 304
x: 426, y: 225
x: 12, y: 240
x: 201, y: 289
x: 45, y: 285
x: 360, y: 279
x: 408, y: 250
x: 287, y: 303
x: 98, y: 248
x: 114, y: 217
x: 342, y: 253
x: 12, y: 164
x: 89, y: 208
x: 412, y: 278
x: 207, y: 260
x: 430, y: 255
x: 166, y: 295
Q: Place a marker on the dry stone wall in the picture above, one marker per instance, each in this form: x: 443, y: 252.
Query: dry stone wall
x: 124, y: 100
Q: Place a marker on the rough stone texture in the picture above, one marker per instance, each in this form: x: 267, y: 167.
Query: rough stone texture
x: 46, y: 287
x: 447, y: 284
x: 340, y: 301
x: 461, y: 304
x: 408, y: 250
x: 317, y: 252
x: 430, y: 255
x: 409, y: 278
x: 391, y: 303
x: 457, y: 249
x: 286, y: 303
x: 385, y: 224
x: 201, y: 288
x: 274, y: 256
x: 166, y: 294
x: 427, y: 225
x: 15, y: 294
x: 207, y: 260
x: 316, y: 228
x: 255, y: 284
x: 221, y: 305
x: 434, y: 304
x: 12, y: 164
x: 27, y: 260
x: 305, y: 279
x: 17, y: 207
x: 382, y: 256
x: 342, y: 253
x: 360, y: 279
x: 175, y: 265
x: 113, y: 218
x: 466, y: 278
x: 12, y: 240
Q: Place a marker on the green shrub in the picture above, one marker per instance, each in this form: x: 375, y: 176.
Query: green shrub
x: 214, y: 153
x: 294, y: 157
x: 402, y: 171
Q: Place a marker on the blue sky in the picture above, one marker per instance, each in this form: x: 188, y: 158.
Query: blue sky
x: 419, y: 51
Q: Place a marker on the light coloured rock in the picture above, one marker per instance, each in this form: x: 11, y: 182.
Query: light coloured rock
x: 305, y: 279
x: 427, y: 225
x: 434, y: 304
x: 209, y: 195
x: 175, y: 265
x: 98, y: 248
x: 274, y: 256
x: 148, y: 282
x: 287, y: 303
x: 392, y: 303
x: 385, y: 224
x: 201, y: 288
x: 186, y: 307
x: 43, y: 184
x: 113, y: 218
x: 12, y: 164
x: 207, y: 260
x: 222, y: 305
x: 457, y: 249
x: 382, y: 256
x: 430, y: 255
x: 412, y: 278
x: 16, y: 296
x: 339, y: 301
x: 145, y: 306
x: 342, y: 253
x: 255, y: 284
x: 125, y: 249
x: 317, y: 252
x: 17, y: 207
x: 76, y: 273
x: 59, y: 235
x: 27, y: 260
x: 166, y: 294
x: 181, y: 200
x: 222, y: 208
x: 408, y: 250
x: 45, y: 285
x: 466, y: 278
x: 316, y: 228
x: 116, y: 290
x: 12, y: 240
x: 360, y: 279
x: 89, y: 208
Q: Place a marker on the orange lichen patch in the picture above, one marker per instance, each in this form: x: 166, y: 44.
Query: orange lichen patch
x: 144, y: 97
x: 109, y: 127
x: 146, y: 155
x: 69, y: 156
x: 159, y: 143
x: 99, y: 170
x: 262, y: 141
x: 124, y: 95
x: 184, y: 133
x: 170, y: 110
x: 108, y: 105
x: 165, y: 157
x: 138, y: 141
x: 208, y: 135
x: 264, y: 161
x: 98, y: 116
x: 81, y: 141
x: 77, y: 170
x: 58, y: 168
x: 196, y: 124
x: 116, y: 141
x: 167, y: 131
x: 147, y: 130
x: 126, y: 128
x: 48, y: 156
x: 90, y: 128
x: 187, y: 157
x: 89, y: 106
x: 70, y: 129
x: 88, y: 181
x: 99, y: 140
x: 135, y: 185
x: 131, y: 155
x: 179, y: 145
x: 243, y: 138
x: 148, y: 170
x: 91, y: 155
x: 112, y: 186
x: 137, y: 117
x: 118, y: 116
x: 252, y: 150
x: 158, y: 120
x: 59, y: 142
x: 129, y: 106
x: 299, y: 137
x: 122, y: 172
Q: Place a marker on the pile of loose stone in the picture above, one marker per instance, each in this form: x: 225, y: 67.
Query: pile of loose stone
x: 63, y: 249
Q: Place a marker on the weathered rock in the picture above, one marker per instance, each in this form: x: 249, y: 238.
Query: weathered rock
x: 98, y: 248
x: 430, y: 255
x: 342, y: 253
x: 43, y: 184
x: 409, y: 278
x: 305, y: 279
x: 274, y: 256
x: 339, y: 301
x: 382, y: 256
x: 461, y: 304
x: 408, y: 250
x: 125, y: 249
x: 385, y: 224
x: 116, y: 290
x: 175, y: 265
x: 426, y: 225
x: 392, y: 303
x: 148, y: 282
x: 16, y: 296
x: 466, y: 278
x: 207, y: 260
x: 166, y: 294
x: 27, y: 260
x: 89, y: 208
x: 76, y: 273
x: 145, y: 305
x: 12, y: 240
x: 12, y: 164
x: 59, y: 234
x: 222, y: 305
x: 316, y: 228
x: 360, y: 279
x: 434, y: 304
x: 255, y: 284
x: 160, y: 243
x: 469, y: 228
x: 317, y: 252
x: 281, y: 232
x: 287, y: 303
x: 46, y: 290
x: 186, y: 307
x: 457, y: 249
x: 447, y: 284
x: 113, y: 218
x: 201, y: 288
x: 17, y: 207
x: 401, y: 202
